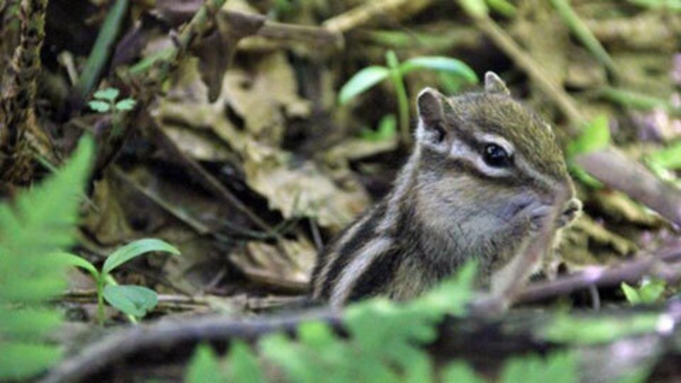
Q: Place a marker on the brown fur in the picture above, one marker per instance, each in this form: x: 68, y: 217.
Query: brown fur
x: 448, y: 205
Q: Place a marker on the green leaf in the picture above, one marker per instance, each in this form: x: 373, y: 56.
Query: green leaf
x: 99, y: 106
x: 566, y: 329
x: 30, y: 232
x: 596, y: 136
x: 108, y: 94
x: 557, y: 368
x: 28, y: 323
x: 361, y: 81
x: 651, y: 290
x: 204, y: 367
x: 387, y: 129
x: 631, y: 294
x: 74, y: 260
x: 130, y: 299
x: 502, y: 6
x: 20, y: 360
x: 243, y: 364
x: 125, y: 104
x: 460, y: 372
x: 440, y: 63
x: 135, y: 249
x: 667, y: 158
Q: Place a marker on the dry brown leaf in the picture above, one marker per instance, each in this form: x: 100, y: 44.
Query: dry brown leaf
x: 298, y: 188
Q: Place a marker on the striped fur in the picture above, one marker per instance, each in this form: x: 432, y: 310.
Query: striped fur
x: 448, y: 203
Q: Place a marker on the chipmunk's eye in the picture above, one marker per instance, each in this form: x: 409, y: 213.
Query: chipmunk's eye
x: 495, y: 156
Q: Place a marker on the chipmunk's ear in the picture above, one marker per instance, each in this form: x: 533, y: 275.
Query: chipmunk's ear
x: 493, y: 84
x: 430, y: 105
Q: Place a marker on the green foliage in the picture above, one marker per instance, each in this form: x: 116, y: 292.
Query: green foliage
x: 460, y: 372
x: 132, y: 300
x: 387, y: 129
x: 395, y: 71
x: 650, y: 291
x: 665, y: 161
x: 475, y: 8
x: 558, y: 368
x: 135, y: 249
x: 595, y: 136
x: 384, y: 344
x: 39, y: 222
x: 502, y: 6
x: 672, y: 5
x: 101, y: 51
x: 668, y: 158
x: 362, y: 81
x: 105, y: 101
x: 366, y: 78
x: 204, y: 367
x: 566, y: 329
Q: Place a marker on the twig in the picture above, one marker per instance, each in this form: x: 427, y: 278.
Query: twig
x: 620, y: 172
x: 630, y: 272
x: 508, y: 283
x: 371, y: 10
x: 168, y: 335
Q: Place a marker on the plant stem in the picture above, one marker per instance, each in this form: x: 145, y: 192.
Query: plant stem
x: 100, y: 300
x: 402, y: 99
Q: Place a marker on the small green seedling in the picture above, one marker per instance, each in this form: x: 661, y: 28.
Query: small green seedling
x: 650, y: 291
x: 395, y: 71
x: 105, y: 102
x: 135, y: 301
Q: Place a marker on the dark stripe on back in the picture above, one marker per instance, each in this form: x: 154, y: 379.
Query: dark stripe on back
x: 364, y: 234
x: 380, y: 273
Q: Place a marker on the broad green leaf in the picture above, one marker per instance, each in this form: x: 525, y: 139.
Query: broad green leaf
x: 205, y: 367
x: 135, y: 249
x: 74, y: 260
x: 108, y: 94
x: 99, y: 106
x: 243, y: 364
x: 361, y: 81
x: 20, y: 360
x: 595, y: 136
x: 133, y: 300
x: 125, y: 104
x: 631, y: 294
x: 440, y: 63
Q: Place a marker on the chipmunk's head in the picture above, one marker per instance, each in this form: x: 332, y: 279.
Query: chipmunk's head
x: 491, y: 158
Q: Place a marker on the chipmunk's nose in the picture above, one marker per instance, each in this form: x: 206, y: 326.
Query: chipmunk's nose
x: 571, y: 211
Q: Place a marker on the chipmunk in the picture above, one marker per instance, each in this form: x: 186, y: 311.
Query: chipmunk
x: 483, y: 176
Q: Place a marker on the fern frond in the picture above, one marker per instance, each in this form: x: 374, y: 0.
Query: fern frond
x: 38, y: 223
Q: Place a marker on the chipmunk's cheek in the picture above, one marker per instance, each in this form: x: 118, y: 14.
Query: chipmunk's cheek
x: 538, y: 214
x: 572, y: 210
